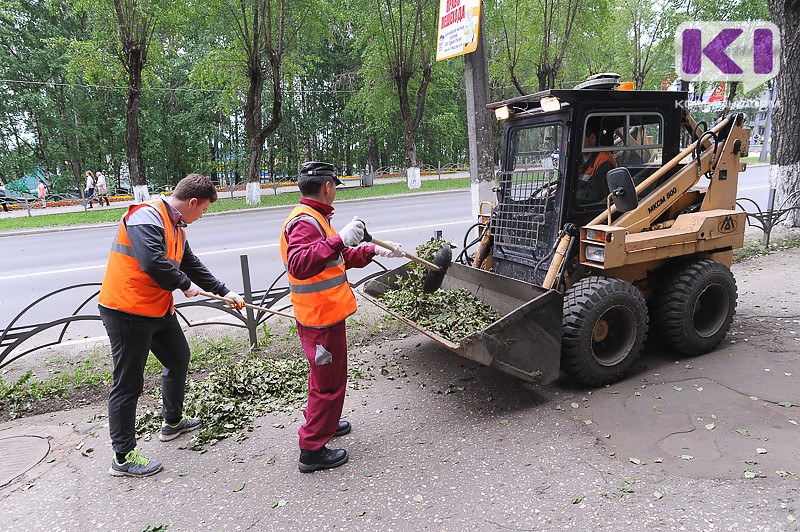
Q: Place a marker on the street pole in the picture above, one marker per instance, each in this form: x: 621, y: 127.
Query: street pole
x: 768, y: 125
x: 479, y: 122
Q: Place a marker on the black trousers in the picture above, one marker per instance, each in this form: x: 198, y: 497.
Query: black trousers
x: 131, y: 341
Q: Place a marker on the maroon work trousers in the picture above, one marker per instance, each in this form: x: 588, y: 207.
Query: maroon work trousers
x: 326, y: 350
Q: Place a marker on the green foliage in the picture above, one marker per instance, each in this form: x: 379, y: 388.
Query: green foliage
x: 237, y: 389
x: 753, y: 249
x: 24, y: 394
x: 452, y: 314
x: 63, y: 108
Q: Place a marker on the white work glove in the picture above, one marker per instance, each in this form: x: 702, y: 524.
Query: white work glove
x: 192, y: 291
x: 383, y: 252
x: 353, y: 233
x: 237, y: 300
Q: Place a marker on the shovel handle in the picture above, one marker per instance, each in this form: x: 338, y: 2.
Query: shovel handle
x: 256, y: 307
x: 424, y: 262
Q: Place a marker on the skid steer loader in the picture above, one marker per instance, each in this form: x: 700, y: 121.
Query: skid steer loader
x: 604, y: 230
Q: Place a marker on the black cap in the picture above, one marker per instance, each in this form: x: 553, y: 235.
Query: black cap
x: 323, y: 170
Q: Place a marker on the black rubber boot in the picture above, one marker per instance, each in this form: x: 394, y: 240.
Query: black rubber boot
x: 323, y: 459
x: 343, y: 428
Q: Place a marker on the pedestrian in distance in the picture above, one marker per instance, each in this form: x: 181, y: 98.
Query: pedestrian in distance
x: 101, y: 188
x: 3, y: 197
x: 41, y: 191
x: 89, y: 189
x: 316, y: 258
x: 149, y: 259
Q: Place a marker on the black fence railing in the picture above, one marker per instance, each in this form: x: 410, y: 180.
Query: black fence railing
x: 21, y: 338
x: 768, y: 218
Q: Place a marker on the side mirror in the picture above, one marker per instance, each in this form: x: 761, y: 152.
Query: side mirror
x: 622, y: 189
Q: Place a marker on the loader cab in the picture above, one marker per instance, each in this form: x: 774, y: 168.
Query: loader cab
x: 557, y: 148
x: 528, y: 214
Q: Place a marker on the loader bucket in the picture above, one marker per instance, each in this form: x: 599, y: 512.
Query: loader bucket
x: 525, y: 342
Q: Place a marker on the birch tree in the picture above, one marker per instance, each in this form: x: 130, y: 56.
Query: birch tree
x: 785, y: 156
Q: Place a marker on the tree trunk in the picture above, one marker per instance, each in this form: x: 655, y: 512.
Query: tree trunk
x: 133, y: 142
x: 410, y: 144
x: 785, y: 163
x: 385, y: 150
x: 729, y: 100
x: 347, y: 165
x: 254, y: 169
x: 542, y: 76
x: 252, y: 128
x: 213, y: 152
x: 409, y: 132
x: 372, y: 152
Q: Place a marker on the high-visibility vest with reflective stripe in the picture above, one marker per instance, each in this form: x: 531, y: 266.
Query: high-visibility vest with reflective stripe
x: 601, y: 158
x: 325, y: 298
x: 125, y: 286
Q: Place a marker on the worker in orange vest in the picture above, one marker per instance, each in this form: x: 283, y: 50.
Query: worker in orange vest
x: 592, y: 185
x: 149, y: 259
x: 315, y: 257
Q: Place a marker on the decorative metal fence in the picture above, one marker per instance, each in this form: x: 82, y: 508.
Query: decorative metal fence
x: 19, y: 339
x: 767, y: 219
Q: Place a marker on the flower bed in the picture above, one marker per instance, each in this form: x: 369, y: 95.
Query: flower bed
x: 37, y: 204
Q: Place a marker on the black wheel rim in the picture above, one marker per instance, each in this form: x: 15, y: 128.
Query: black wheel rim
x: 711, y: 310
x: 613, y: 335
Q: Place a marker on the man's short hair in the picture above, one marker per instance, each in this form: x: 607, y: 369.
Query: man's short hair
x: 593, y: 125
x: 313, y: 175
x: 195, y: 186
x: 602, y: 128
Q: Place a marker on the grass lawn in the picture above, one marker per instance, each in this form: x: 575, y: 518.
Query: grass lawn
x: 226, y: 203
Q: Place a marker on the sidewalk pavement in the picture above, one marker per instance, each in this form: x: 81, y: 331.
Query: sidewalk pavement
x: 441, y: 443
x: 37, y: 209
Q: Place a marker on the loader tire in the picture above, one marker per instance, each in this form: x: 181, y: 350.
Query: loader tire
x: 694, y: 306
x: 604, y: 329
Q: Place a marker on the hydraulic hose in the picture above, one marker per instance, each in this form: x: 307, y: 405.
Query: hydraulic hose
x: 462, y: 257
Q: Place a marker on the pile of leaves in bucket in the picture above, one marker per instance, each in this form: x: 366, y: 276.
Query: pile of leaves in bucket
x: 452, y: 314
x: 234, y: 394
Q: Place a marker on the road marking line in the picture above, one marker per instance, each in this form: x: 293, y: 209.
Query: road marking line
x: 422, y: 226
x: 233, y: 250
x: 51, y: 272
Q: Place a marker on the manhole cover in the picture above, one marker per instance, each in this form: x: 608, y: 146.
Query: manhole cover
x: 20, y: 453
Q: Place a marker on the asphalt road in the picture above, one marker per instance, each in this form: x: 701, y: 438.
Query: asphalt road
x: 754, y: 184
x: 34, y: 265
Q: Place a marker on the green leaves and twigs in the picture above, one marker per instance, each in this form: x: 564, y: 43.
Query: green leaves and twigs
x: 452, y: 314
x: 21, y: 396
x: 234, y: 394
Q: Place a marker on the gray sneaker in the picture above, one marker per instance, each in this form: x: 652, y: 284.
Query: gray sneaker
x: 170, y: 432
x: 135, y: 465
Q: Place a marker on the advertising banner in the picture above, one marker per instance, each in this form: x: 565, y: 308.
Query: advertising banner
x: 459, y: 22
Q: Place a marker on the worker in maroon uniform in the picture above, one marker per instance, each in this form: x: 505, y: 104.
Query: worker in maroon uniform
x: 315, y: 257
x: 592, y: 185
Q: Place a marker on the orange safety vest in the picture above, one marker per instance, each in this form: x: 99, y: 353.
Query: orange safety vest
x: 602, y: 157
x: 125, y: 286
x: 326, y: 298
